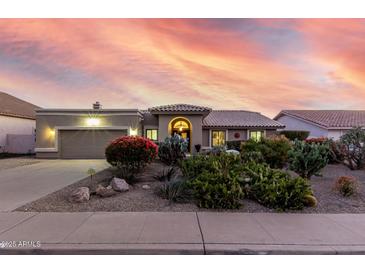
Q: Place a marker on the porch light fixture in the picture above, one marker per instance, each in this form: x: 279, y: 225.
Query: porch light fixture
x: 51, y: 133
x: 93, y: 122
x: 133, y: 131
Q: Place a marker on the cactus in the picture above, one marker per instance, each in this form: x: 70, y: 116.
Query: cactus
x: 310, y: 201
x: 308, y: 159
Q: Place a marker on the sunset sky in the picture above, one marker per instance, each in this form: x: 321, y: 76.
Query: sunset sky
x: 262, y: 65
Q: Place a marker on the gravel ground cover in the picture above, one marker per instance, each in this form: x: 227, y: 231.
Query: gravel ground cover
x: 139, y: 199
x: 17, y: 161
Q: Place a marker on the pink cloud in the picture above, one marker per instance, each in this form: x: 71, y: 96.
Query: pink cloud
x: 145, y: 62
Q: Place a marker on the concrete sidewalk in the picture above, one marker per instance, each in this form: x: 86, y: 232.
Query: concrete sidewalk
x: 182, y: 233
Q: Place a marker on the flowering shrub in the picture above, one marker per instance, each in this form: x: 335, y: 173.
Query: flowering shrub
x: 129, y: 154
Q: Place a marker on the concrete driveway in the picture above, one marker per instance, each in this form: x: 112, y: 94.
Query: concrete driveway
x: 23, y: 184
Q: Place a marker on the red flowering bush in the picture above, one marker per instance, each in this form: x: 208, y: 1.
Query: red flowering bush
x: 130, y: 154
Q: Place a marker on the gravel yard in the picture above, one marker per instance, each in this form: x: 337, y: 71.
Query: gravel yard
x: 17, y: 161
x: 139, y: 199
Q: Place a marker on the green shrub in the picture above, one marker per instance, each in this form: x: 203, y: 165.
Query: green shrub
x: 215, y: 179
x: 214, y: 190
x: 336, y: 149
x: 252, y: 156
x: 223, y: 163
x: 236, y: 145
x: 130, y: 154
x: 172, y: 149
x: 295, y: 134
x: 274, y: 151
x: 174, y: 191
x: 195, y: 165
x: 354, y: 148
x: 346, y: 185
x: 275, y: 188
x: 308, y: 159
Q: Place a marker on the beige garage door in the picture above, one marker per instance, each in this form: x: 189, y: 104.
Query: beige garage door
x: 86, y: 144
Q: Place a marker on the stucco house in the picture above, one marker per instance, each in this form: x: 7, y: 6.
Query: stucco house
x: 322, y: 123
x: 17, y: 125
x: 84, y: 133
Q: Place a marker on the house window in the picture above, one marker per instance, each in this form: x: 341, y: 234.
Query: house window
x: 256, y: 135
x: 218, y: 138
x: 152, y: 134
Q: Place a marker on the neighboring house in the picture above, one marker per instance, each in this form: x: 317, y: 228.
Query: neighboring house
x: 84, y: 133
x: 322, y: 123
x: 17, y: 125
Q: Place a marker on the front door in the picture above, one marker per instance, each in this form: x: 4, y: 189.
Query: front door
x: 182, y: 128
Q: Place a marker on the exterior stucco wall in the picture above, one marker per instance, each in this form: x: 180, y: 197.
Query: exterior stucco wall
x: 46, y: 124
x: 13, y: 125
x: 232, y: 132
x: 270, y: 132
x: 296, y: 124
x: 206, y: 135
x: 335, y: 134
x: 196, y: 127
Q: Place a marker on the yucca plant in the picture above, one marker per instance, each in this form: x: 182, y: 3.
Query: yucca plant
x: 165, y: 175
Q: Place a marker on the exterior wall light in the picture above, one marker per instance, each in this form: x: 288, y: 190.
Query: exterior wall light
x: 133, y: 131
x: 93, y: 122
x: 51, y: 133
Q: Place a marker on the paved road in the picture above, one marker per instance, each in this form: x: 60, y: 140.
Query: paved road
x: 24, y: 184
x: 183, y: 233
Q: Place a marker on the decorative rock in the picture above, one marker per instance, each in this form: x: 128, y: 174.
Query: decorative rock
x: 146, y: 187
x: 81, y: 194
x: 104, y: 192
x: 233, y: 151
x: 119, y: 184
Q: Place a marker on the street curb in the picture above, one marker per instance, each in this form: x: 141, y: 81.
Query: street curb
x: 185, y: 249
x: 109, y: 249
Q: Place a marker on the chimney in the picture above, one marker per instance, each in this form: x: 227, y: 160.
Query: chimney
x: 96, y: 105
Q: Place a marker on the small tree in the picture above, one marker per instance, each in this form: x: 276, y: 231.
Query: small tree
x: 308, y: 159
x: 354, y: 148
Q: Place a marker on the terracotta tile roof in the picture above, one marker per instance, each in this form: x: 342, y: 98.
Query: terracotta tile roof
x: 179, y: 108
x: 329, y: 118
x: 15, y: 107
x: 239, y: 118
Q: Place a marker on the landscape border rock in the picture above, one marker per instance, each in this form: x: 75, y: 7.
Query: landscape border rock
x: 80, y: 194
x: 119, y: 184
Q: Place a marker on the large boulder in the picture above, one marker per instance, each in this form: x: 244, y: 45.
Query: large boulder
x: 104, y: 192
x: 119, y: 184
x: 81, y: 194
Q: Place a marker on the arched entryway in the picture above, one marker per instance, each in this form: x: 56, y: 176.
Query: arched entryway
x: 182, y: 127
